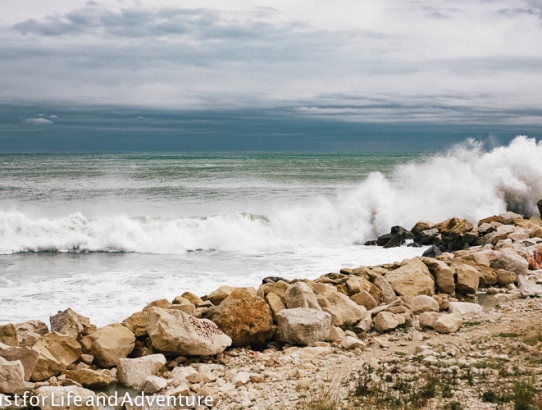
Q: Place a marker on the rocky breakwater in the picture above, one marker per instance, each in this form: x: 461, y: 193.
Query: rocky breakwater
x: 207, y: 346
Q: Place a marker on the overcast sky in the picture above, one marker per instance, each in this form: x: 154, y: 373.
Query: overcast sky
x: 381, y: 60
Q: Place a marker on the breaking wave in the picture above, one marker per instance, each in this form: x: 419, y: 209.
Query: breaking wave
x: 466, y: 181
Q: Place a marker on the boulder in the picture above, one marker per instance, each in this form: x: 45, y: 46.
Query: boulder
x: 388, y: 295
x: 351, y: 342
x: 56, y: 353
x: 66, y: 398
x: 8, y: 335
x: 279, y: 288
x: 153, y: 384
x: 428, y: 319
x: 303, y: 326
x: 424, y: 303
x: 467, y: 277
x: 443, y: 274
x: 336, y: 334
x: 69, y: 323
x: 528, y: 288
x: 364, y: 299
x: 186, y: 308
x: 509, y: 260
x: 386, y: 321
x: 275, y: 303
x: 365, y: 324
x: 12, y: 379
x: 178, y: 333
x: 110, y: 343
x: 412, y: 279
x: 427, y: 237
x: 539, y: 205
x: 338, y: 305
x: 247, y: 319
x: 137, y: 323
x: 464, y: 308
x: 505, y: 277
x: 422, y: 226
x: 134, y: 372
x: 455, y: 226
x: 30, y: 331
x: 27, y: 356
x: 92, y: 379
x: 300, y: 295
x: 216, y: 297
x: 448, y: 323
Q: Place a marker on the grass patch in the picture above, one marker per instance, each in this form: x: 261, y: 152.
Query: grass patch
x: 533, y: 339
x: 503, y: 334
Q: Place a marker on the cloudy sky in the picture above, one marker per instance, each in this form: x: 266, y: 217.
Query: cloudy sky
x: 462, y: 61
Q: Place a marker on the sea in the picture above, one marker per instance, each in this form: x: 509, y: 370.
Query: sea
x: 107, y: 233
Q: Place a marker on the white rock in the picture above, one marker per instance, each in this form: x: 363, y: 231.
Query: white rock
x: 303, y: 326
x: 241, y: 378
x: 386, y: 321
x: 448, y: 323
x: 424, y: 303
x: 153, y: 384
x: 300, y: 295
x: 350, y: 342
x: 12, y: 379
x: 528, y: 288
x: 464, y: 308
x: 133, y: 372
x: 179, y: 374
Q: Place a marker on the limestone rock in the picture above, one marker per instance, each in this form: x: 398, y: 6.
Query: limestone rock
x: 448, y: 323
x: 539, y: 205
x: 275, y: 303
x: 300, y: 295
x: 365, y: 324
x: 52, y: 396
x: 245, y: 318
x: 279, y: 288
x: 30, y: 331
x: 386, y: 321
x: 69, y: 323
x: 92, y: 379
x: 422, y: 226
x: 464, y: 308
x: 424, y: 303
x: 181, y: 300
x: 336, y: 334
x: 186, y: 308
x: 56, y: 353
x: 110, y: 343
x: 505, y: 277
x: 175, y: 332
x: 388, y: 295
x: 134, y: 372
x: 443, y: 274
x: 12, y: 379
x: 412, y: 279
x: 194, y: 299
x: 528, y: 288
x: 303, y: 326
x: 27, y: 356
x: 364, y: 299
x: 160, y: 303
x: 338, y: 305
x: 137, y: 323
x: 153, y: 384
x: 8, y: 335
x: 467, y: 277
x: 428, y: 319
x: 216, y: 297
x: 350, y: 342
x: 509, y: 260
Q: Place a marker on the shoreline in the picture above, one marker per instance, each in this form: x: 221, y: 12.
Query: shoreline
x: 239, y: 345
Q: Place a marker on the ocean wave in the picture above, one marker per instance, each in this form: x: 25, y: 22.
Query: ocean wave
x: 466, y: 181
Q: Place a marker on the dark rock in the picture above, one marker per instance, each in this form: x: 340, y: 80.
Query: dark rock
x: 396, y: 237
x: 396, y: 240
x: 384, y: 239
x: 274, y: 279
x: 432, y: 252
x: 539, y: 205
x: 399, y: 230
x: 414, y: 245
x: 370, y: 243
x: 426, y: 237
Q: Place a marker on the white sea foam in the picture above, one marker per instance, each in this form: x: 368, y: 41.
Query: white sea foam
x: 465, y: 182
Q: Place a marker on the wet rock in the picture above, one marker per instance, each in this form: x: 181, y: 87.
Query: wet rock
x: 134, y: 372
x: 303, y: 326
x: 412, y: 279
x: 273, y: 279
x: 539, y: 205
x: 69, y: 323
x: 426, y: 237
x: 245, y: 318
x: 175, y: 332
x: 56, y: 353
x: 432, y: 252
x: 422, y: 226
x: 110, y: 343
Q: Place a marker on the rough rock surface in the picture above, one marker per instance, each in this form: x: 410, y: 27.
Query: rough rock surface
x: 303, y: 326
x: 509, y: 260
x: 8, y: 335
x: 176, y: 332
x: 69, y: 323
x: 12, y: 377
x: 412, y: 279
x: 444, y: 276
x: 386, y: 321
x: 56, y: 353
x: 467, y: 277
x: 338, y: 305
x: 27, y: 356
x: 424, y: 303
x: 134, y: 372
x: 30, y: 331
x: 300, y: 295
x: 92, y: 379
x: 364, y: 299
x: 247, y: 319
x: 448, y: 323
x: 464, y: 308
x: 110, y: 343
